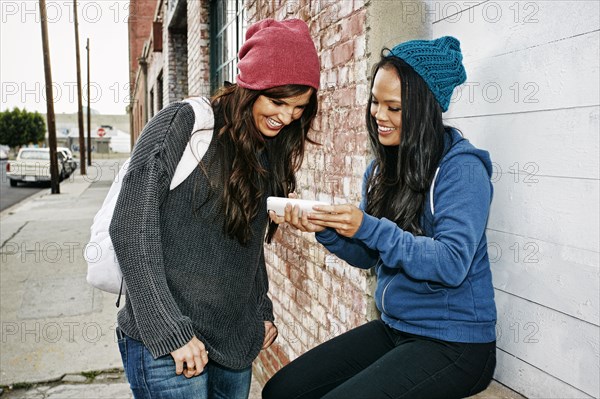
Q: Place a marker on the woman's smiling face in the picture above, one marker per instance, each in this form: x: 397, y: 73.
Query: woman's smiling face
x: 273, y: 114
x: 386, y: 106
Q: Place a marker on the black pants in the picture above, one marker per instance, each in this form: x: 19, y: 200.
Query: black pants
x: 375, y: 361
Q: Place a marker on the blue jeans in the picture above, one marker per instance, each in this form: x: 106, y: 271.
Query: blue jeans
x: 151, y: 378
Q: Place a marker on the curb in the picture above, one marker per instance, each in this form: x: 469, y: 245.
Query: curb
x: 11, y: 209
x: 105, y: 377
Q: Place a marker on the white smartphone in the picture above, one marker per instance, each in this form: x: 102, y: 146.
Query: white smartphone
x: 277, y: 204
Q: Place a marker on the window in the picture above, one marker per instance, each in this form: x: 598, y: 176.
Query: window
x: 36, y: 155
x: 151, y: 106
x: 159, y: 91
x: 228, y: 28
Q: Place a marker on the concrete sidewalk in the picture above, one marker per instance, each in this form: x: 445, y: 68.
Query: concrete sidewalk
x: 57, y: 332
x: 52, y: 322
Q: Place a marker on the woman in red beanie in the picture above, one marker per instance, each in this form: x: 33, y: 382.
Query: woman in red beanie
x: 197, y: 312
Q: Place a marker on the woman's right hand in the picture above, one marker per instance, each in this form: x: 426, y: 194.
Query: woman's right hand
x: 293, y: 218
x: 195, y: 357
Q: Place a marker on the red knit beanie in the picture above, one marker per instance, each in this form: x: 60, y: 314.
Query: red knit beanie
x: 278, y: 53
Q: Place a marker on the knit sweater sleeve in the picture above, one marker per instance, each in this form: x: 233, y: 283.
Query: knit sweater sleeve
x: 265, y: 306
x: 136, y: 234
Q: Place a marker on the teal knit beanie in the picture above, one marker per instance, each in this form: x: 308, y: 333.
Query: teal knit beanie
x: 438, y: 62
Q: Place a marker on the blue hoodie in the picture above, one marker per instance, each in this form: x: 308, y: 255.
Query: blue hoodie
x: 438, y: 285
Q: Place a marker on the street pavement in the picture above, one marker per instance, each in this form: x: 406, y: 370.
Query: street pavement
x: 12, y: 195
x: 57, y: 333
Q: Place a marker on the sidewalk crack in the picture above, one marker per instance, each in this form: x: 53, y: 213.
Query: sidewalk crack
x: 13, y: 236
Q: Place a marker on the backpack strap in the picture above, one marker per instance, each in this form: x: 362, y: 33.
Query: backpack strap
x: 204, y: 122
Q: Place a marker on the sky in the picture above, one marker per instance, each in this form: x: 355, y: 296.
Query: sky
x: 104, y: 22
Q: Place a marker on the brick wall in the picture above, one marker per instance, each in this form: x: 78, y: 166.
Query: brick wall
x: 315, y: 295
x: 141, y: 14
x: 176, y: 67
x: 137, y: 111
x: 155, y: 67
x: 155, y: 60
x: 198, y: 48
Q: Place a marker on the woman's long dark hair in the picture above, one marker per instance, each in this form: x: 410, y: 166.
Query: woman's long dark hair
x: 403, y: 174
x: 247, y: 180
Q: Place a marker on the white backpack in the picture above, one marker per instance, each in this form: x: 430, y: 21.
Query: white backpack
x: 104, y: 272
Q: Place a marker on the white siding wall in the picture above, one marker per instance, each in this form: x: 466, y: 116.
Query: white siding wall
x: 532, y: 99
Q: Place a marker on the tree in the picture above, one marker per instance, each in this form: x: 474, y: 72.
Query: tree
x: 36, y: 127
x: 20, y: 127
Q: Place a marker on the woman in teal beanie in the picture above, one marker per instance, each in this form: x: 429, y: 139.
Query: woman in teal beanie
x: 421, y: 225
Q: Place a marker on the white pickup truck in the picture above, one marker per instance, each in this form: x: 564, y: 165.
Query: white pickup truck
x: 33, y: 165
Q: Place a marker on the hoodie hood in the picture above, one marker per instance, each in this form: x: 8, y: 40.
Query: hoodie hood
x: 458, y: 145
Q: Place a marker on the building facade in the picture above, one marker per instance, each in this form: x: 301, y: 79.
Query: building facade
x: 523, y: 101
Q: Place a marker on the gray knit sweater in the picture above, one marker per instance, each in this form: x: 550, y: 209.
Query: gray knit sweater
x: 184, y: 276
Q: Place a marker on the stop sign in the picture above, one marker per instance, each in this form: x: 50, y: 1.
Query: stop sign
x: 101, y: 132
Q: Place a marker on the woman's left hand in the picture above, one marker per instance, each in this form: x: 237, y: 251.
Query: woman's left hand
x: 295, y: 218
x: 270, y: 334
x: 344, y: 219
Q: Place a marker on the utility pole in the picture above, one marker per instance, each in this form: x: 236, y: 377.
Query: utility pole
x: 49, y: 101
x: 79, y: 100
x: 89, y: 136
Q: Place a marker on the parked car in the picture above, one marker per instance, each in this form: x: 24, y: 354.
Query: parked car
x: 33, y: 165
x: 70, y: 163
